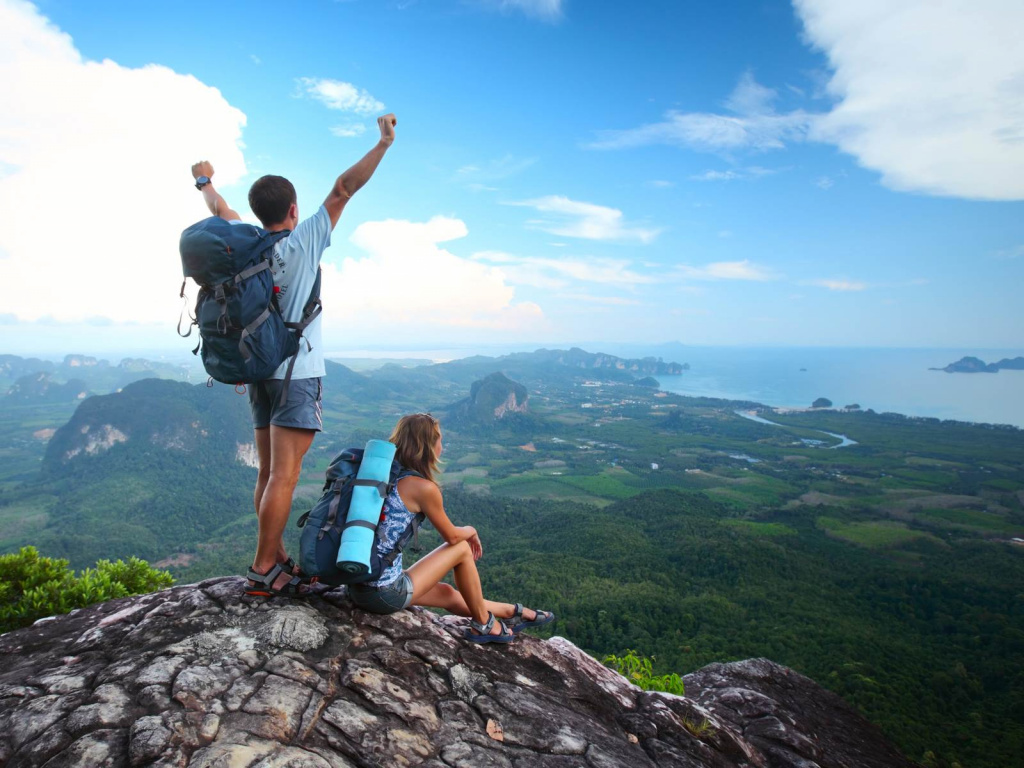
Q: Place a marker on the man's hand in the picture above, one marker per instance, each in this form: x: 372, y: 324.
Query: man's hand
x: 203, y: 168
x: 387, y: 125
x: 352, y: 180
x: 218, y: 205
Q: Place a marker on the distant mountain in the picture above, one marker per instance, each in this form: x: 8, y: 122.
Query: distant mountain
x: 41, y: 388
x: 96, y: 374
x: 578, y: 358
x: 549, y: 366
x: 13, y: 367
x: 151, y: 416
x: 492, y: 398
x: 146, y: 470
x: 373, y: 363
x: 977, y: 365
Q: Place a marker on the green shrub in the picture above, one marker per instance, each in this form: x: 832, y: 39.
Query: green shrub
x: 639, y: 671
x: 32, y: 586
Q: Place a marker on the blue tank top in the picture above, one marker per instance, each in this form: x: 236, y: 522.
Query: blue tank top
x: 396, y: 520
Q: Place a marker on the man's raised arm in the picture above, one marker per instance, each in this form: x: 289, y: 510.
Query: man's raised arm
x: 352, y: 180
x: 202, y: 172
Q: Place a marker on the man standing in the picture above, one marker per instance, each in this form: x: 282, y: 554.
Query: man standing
x: 284, y: 430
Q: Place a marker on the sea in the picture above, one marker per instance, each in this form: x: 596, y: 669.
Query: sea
x: 896, y: 380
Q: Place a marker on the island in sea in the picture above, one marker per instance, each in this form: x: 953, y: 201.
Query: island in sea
x: 977, y: 365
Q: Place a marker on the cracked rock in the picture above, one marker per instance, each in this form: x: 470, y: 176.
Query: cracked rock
x: 199, y: 676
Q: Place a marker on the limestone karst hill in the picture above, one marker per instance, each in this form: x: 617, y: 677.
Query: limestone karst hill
x: 200, y: 676
x: 491, y: 399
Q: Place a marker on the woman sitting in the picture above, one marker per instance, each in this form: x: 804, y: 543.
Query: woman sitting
x: 418, y: 440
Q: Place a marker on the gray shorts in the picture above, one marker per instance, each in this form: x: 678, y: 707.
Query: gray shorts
x: 388, y: 599
x: 302, y: 411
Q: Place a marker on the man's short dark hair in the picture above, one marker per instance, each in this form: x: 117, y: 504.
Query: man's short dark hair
x: 270, y: 197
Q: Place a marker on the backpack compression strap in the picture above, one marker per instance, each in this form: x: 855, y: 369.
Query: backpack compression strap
x: 314, y: 307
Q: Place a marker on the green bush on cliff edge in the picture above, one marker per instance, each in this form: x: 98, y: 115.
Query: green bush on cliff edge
x: 639, y: 670
x: 32, y: 586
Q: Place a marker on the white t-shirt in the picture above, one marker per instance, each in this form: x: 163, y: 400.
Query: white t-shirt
x: 295, y: 263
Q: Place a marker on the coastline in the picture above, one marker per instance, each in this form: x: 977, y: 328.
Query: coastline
x: 882, y: 380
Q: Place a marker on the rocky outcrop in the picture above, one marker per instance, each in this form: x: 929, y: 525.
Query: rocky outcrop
x: 199, y: 675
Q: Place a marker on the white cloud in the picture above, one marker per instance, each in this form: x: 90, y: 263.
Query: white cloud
x: 727, y: 270
x: 930, y: 94
x: 96, y: 176
x: 495, y: 170
x: 547, y: 10
x: 407, y: 280
x: 1010, y: 253
x: 837, y: 284
x: 752, y: 124
x: 542, y: 272
x: 611, y: 301
x: 339, y: 95
x: 824, y: 182
x: 348, y: 130
x: 661, y: 183
x: 571, y: 218
x: 716, y: 176
x: 750, y: 172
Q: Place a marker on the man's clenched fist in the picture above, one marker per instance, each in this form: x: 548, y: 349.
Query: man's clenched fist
x: 387, y: 125
x: 204, y: 168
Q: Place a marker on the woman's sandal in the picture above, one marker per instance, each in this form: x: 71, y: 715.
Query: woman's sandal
x: 264, y: 584
x: 519, y: 623
x: 481, y: 633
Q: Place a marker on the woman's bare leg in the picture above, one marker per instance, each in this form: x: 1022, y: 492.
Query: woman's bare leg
x: 458, y: 558
x: 448, y: 597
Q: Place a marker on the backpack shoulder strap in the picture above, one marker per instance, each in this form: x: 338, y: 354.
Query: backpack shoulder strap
x: 310, y: 312
x: 312, y: 308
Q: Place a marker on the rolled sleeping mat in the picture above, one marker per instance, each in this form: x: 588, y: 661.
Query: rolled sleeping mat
x: 369, y: 490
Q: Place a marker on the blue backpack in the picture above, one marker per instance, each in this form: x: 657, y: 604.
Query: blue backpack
x: 244, y: 337
x: 323, y: 525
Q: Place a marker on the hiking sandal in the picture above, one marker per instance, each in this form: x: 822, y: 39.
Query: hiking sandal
x: 290, y: 566
x: 481, y: 633
x: 264, y: 586
x: 518, y: 623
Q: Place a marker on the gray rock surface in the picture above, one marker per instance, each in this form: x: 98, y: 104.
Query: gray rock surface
x: 201, y: 676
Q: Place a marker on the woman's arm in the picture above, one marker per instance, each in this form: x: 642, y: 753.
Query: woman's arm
x: 424, y: 496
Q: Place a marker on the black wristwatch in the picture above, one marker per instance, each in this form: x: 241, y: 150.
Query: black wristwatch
x: 202, y: 181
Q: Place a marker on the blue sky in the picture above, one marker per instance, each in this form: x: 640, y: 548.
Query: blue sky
x: 564, y: 171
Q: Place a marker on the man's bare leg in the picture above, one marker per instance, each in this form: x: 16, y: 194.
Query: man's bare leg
x: 262, y: 439
x: 287, y: 447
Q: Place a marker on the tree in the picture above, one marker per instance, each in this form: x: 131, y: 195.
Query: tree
x: 822, y: 402
x: 32, y: 587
